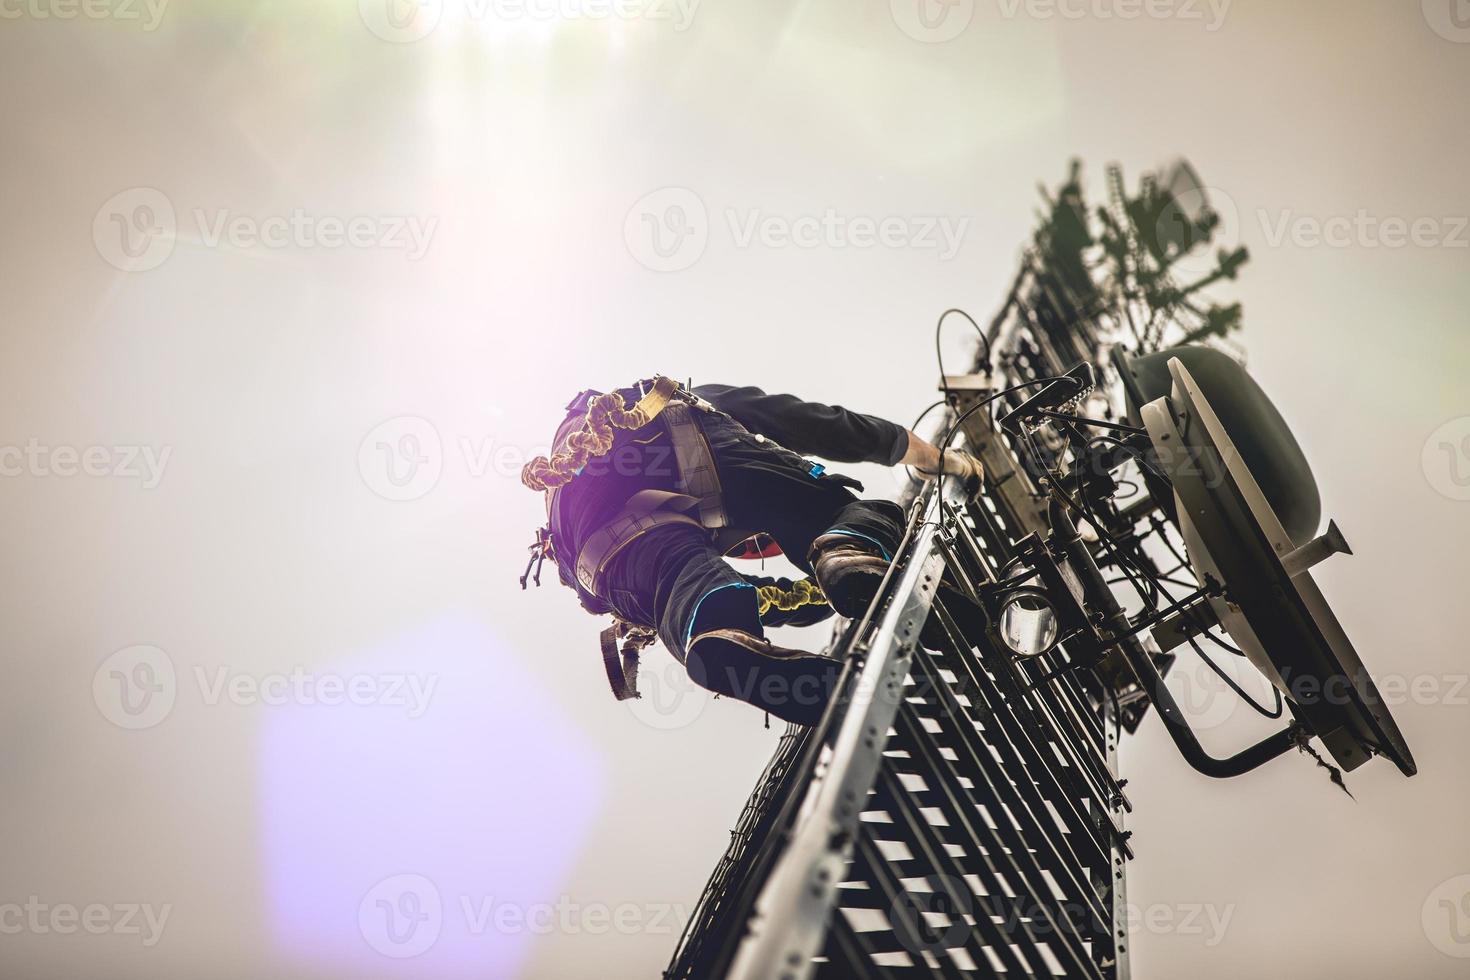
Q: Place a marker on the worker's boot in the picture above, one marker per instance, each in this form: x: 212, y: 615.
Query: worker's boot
x: 792, y: 685
x: 849, y: 570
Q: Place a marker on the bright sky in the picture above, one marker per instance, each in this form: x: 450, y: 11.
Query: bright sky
x: 376, y: 250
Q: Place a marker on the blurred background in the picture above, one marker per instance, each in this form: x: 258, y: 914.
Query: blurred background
x: 293, y: 290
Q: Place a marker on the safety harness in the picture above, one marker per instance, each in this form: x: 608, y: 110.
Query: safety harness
x: 701, y: 505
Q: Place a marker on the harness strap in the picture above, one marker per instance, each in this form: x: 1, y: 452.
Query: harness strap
x: 696, y: 463
x: 646, y: 510
x: 622, y: 665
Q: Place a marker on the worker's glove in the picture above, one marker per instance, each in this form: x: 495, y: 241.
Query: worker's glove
x: 968, y: 468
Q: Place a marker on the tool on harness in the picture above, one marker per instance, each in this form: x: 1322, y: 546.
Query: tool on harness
x: 622, y: 664
x: 540, y: 551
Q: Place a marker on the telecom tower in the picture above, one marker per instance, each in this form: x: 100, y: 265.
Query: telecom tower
x: 959, y: 811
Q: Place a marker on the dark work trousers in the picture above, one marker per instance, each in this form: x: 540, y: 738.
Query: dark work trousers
x: 673, y: 577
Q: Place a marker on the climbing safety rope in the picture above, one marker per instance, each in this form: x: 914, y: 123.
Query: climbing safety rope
x: 802, y: 593
x: 595, y: 436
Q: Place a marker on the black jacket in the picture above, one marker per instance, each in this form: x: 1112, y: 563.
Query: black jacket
x: 811, y: 428
x: 641, y: 460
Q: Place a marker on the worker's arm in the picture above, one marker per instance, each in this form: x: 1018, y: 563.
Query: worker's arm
x: 924, y: 457
x: 811, y: 428
x: 836, y: 433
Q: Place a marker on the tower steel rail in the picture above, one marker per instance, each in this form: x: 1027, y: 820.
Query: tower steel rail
x: 958, y: 812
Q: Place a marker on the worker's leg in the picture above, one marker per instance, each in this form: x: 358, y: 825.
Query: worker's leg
x: 669, y: 575
x: 877, y: 524
x: 769, y: 489
x: 707, y: 616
